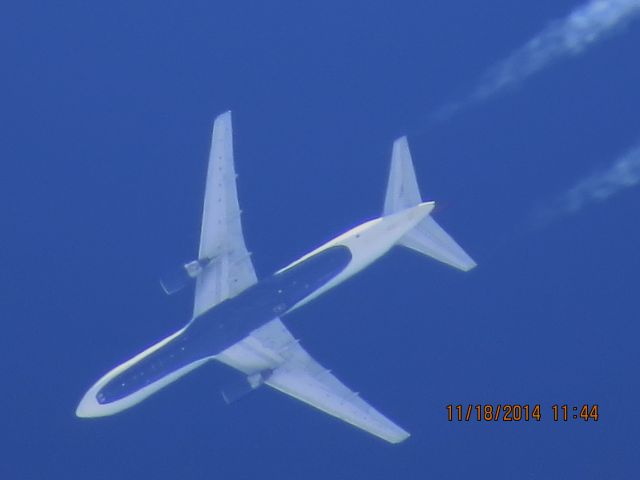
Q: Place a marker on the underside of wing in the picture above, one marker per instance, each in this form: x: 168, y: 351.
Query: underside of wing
x: 287, y: 367
x: 229, y: 269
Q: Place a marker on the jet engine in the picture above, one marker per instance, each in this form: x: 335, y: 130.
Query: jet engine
x: 237, y: 390
x: 175, y: 280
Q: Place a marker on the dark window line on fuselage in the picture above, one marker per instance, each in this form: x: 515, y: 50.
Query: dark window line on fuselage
x: 230, y: 321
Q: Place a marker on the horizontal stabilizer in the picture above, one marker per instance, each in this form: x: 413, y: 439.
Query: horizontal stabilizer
x: 402, y: 187
x: 430, y: 239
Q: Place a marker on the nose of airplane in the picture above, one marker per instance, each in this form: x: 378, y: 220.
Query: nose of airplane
x: 88, y: 406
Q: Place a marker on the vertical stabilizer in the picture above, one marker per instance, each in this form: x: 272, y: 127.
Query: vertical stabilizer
x: 427, y: 237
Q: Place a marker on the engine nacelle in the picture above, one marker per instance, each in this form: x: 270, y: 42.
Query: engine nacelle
x: 176, y: 280
x: 237, y: 390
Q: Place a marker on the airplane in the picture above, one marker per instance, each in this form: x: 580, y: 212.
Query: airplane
x: 237, y: 320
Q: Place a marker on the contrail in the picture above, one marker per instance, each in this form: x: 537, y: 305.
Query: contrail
x: 623, y: 174
x: 570, y: 36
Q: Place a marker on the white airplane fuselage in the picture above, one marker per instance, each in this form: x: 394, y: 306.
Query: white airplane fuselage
x: 210, y: 334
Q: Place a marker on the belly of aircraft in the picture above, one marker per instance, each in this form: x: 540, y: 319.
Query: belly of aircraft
x: 209, y: 334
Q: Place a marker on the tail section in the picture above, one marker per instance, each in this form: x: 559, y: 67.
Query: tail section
x: 430, y: 239
x: 402, y: 188
x: 427, y: 237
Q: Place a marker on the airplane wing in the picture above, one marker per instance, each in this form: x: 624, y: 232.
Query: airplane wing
x: 290, y: 369
x: 230, y: 270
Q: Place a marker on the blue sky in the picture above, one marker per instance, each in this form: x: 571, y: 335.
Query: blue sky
x: 105, y: 119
